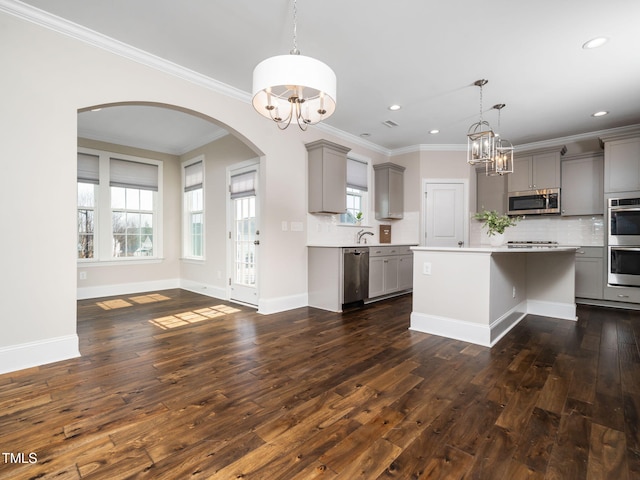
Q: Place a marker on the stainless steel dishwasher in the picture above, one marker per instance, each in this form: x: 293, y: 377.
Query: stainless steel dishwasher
x: 355, y: 274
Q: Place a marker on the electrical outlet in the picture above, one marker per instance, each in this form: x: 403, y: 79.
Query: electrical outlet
x: 83, y: 275
x: 426, y: 268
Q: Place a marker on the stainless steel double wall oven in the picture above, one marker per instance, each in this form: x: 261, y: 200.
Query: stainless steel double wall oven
x: 623, y: 219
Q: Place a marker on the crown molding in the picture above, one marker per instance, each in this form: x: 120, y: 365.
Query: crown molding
x: 78, y: 32
x: 349, y: 137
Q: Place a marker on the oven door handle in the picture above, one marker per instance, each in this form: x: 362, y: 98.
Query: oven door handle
x: 624, y: 209
x: 625, y: 249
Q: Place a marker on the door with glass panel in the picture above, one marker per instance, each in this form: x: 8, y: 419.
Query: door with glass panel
x: 244, y: 234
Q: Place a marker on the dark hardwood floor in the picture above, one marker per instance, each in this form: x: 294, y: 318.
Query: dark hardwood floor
x: 174, y: 385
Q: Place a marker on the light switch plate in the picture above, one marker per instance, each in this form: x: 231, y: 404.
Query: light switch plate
x: 426, y: 268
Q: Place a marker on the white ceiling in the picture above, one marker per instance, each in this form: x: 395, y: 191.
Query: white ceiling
x: 422, y: 55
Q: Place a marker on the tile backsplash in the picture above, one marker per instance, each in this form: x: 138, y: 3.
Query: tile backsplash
x: 326, y: 230
x: 576, y: 231
x: 579, y: 231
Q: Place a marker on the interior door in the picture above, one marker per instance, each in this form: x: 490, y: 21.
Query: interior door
x: 444, y: 215
x: 244, y: 234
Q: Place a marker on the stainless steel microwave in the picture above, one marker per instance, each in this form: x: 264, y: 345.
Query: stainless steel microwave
x: 534, y: 202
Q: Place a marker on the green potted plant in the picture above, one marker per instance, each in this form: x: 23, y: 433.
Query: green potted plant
x: 359, y: 217
x: 496, y: 224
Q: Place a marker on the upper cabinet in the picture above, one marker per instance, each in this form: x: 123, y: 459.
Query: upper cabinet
x: 327, y: 177
x: 389, y: 191
x: 622, y: 162
x: 582, y: 184
x: 491, y: 191
x: 536, y: 170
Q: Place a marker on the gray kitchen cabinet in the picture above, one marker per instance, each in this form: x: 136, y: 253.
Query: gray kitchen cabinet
x: 327, y: 177
x: 621, y: 162
x: 536, y: 170
x: 405, y: 272
x: 389, y: 191
x: 582, y: 190
x: 491, y: 192
x: 390, y: 270
x: 590, y: 272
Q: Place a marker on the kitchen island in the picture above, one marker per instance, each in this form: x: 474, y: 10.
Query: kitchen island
x: 478, y: 294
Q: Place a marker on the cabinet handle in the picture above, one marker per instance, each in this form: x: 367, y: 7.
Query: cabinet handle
x: 623, y: 296
x: 581, y: 252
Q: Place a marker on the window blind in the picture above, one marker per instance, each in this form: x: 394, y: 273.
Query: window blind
x: 193, y: 176
x: 128, y: 174
x: 243, y: 185
x: 88, y: 168
x: 357, y: 174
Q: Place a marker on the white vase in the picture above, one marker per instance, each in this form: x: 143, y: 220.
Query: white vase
x: 496, y: 240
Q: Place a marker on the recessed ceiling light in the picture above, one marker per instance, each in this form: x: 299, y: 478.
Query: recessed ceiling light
x: 434, y: 131
x: 365, y: 135
x: 395, y: 107
x: 602, y: 113
x: 595, y: 43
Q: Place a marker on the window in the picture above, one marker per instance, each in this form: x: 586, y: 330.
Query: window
x: 357, y: 191
x: 193, y: 202
x: 133, y: 186
x: 87, y: 181
x: 118, y: 206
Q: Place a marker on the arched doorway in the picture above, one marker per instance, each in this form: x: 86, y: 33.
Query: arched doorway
x: 136, y: 256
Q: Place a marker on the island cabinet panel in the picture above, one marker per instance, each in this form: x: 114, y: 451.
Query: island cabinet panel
x: 621, y: 163
x: 536, y: 170
x: 389, y: 191
x: 590, y: 272
x: 582, y: 190
x: 390, y: 270
x: 327, y: 177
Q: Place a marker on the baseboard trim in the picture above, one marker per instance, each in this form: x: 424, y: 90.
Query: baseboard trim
x: 84, y: 293
x: 204, y: 289
x: 451, y: 328
x: 566, y: 311
x: 282, y: 304
x: 485, y: 335
x: 41, y: 352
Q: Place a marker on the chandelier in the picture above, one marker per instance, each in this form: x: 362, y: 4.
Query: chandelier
x: 503, y: 157
x: 480, y: 137
x: 288, y: 87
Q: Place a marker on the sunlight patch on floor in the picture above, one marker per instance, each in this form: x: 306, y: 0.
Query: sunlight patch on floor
x: 139, y: 299
x: 193, y: 316
x: 154, y: 297
x: 114, y: 304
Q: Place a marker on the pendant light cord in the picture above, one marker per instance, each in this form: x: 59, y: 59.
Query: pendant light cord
x: 295, y: 50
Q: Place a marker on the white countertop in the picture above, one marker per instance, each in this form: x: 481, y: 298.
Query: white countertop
x: 358, y: 245
x: 502, y: 249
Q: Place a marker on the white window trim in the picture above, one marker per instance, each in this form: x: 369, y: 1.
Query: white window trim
x: 366, y: 199
x: 102, y: 239
x: 185, y: 221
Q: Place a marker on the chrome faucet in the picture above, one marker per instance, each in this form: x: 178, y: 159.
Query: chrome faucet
x: 361, y: 234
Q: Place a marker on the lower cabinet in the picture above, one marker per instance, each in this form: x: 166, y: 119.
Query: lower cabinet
x: 390, y: 270
x: 590, y: 272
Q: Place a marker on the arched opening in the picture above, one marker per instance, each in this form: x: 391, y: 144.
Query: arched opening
x: 166, y: 233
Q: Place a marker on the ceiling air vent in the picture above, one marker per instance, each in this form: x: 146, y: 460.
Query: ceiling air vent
x: 390, y: 123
